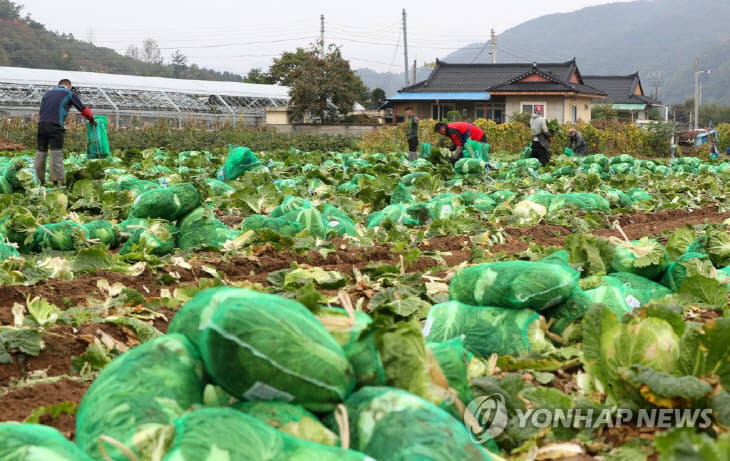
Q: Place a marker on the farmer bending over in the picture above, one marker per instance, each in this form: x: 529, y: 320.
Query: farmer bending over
x: 460, y: 133
x: 576, y: 142
x: 54, y: 108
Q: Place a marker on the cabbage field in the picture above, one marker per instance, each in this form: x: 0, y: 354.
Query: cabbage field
x: 231, y: 304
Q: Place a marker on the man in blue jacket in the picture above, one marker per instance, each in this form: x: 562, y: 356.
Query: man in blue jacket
x: 55, y: 106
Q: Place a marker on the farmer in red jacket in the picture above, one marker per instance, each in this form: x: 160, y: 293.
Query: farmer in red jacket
x: 460, y: 133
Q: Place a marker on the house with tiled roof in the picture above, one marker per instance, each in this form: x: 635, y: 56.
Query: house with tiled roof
x: 497, y: 91
x: 625, y: 94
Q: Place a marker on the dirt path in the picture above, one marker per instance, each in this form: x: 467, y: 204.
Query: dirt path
x: 64, y: 342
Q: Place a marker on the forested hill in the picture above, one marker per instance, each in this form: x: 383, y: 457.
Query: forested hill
x: 659, y: 38
x: 27, y: 43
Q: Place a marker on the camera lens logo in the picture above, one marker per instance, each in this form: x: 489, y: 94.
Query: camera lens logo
x: 486, y: 417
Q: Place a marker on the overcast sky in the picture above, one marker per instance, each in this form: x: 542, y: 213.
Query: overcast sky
x: 237, y: 35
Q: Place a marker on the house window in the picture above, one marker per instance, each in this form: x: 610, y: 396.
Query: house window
x: 439, y: 111
x: 493, y: 112
x: 530, y: 107
x: 574, y: 113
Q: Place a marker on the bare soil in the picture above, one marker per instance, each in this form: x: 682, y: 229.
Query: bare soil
x: 62, y: 342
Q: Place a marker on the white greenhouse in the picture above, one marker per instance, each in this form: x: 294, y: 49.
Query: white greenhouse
x: 127, y: 99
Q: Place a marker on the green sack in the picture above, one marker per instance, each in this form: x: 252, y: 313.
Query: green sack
x: 676, y: 272
x: 569, y: 152
x: 395, y: 425
x: 573, y: 309
x: 61, y: 236
x: 401, y: 194
x: 96, y: 137
x: 486, y: 330
x: 156, y: 238
x: 645, y: 257
x: 238, y: 161
x: 259, y: 346
x: 218, y: 187
x: 425, y: 150
x: 281, y: 225
x: 142, y: 390
x: 514, y: 285
x: 453, y: 359
x: 213, y: 434
x: 102, y: 231
x: 469, y: 166
x: 611, y: 297
x: 35, y: 442
x: 199, y: 229
x: 131, y: 183
x: 397, y: 214
x: 338, y: 221
x: 290, y: 419
x: 640, y: 288
x: 8, y: 251
x: 170, y: 203
x: 407, y: 180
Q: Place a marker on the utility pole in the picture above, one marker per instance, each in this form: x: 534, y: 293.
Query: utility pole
x: 697, y: 92
x: 321, y: 33
x: 414, y: 72
x: 405, y: 44
x: 494, y: 47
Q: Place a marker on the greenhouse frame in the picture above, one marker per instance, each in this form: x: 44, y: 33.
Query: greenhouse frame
x: 129, y: 99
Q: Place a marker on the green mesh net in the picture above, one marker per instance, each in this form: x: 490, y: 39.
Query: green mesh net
x: 289, y: 205
x: 401, y: 194
x: 676, y: 272
x: 392, y: 424
x: 470, y: 167
x: 514, y: 284
x: 477, y: 150
x: 290, y: 419
x: 486, y: 330
x: 258, y: 346
x: 642, y: 289
x: 646, y: 257
x: 139, y: 391
x: 280, y: 225
x: 60, y: 236
x: 213, y: 434
x: 425, y: 150
x: 397, y: 214
x: 130, y: 183
x: 573, y: 309
x: 170, y: 203
x: 238, y: 161
x: 612, y: 297
x: 97, y: 138
x: 154, y: 236
x: 338, y: 221
x: 453, y: 359
x: 639, y: 194
x: 102, y: 231
x: 597, y: 159
x: 199, y: 229
x: 8, y: 251
x: 407, y: 180
x: 219, y: 187
x: 35, y: 442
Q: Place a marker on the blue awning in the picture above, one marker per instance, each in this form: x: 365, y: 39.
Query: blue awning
x: 446, y: 96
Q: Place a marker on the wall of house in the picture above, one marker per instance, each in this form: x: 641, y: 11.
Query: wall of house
x: 555, y: 106
x: 584, y: 109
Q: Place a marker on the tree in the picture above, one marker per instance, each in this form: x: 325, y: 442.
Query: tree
x: 179, y: 63
x: 324, y: 85
x: 283, y: 70
x: 258, y: 76
x: 9, y: 10
x: 132, y: 52
x: 377, y: 97
x: 151, y: 53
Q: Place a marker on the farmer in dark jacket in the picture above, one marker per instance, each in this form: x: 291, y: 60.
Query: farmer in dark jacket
x: 412, y: 134
x: 460, y: 133
x: 576, y: 142
x: 55, y: 106
x: 540, y: 137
